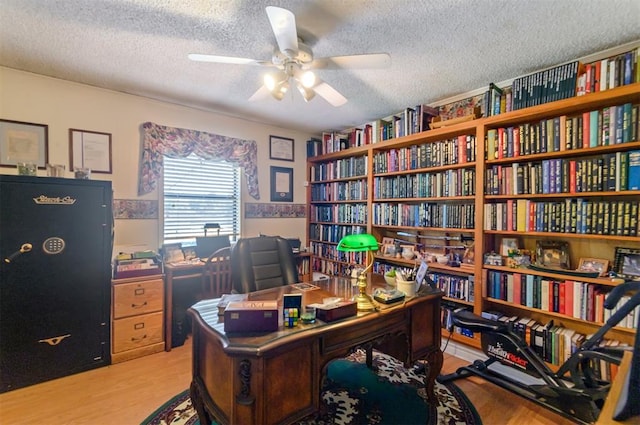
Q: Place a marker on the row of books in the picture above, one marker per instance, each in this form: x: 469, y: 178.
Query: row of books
x: 560, y: 82
x: 572, y: 298
x: 410, y: 121
x: 341, y: 213
x: 424, y: 214
x: 459, y: 287
x: 331, y: 252
x: 604, y: 127
x: 353, y: 190
x: 545, y: 86
x: 330, y: 267
x: 601, y: 173
x: 354, y: 166
x: 458, y: 182
x: 614, y: 71
x: 458, y: 150
x: 573, y: 215
x: 332, y: 232
x: 553, y: 342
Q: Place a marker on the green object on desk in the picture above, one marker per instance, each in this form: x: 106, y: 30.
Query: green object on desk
x: 358, y: 243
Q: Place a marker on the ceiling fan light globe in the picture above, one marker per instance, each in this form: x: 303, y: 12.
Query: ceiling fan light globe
x: 308, y: 79
x: 270, y: 82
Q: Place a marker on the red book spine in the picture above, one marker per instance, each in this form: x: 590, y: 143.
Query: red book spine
x: 568, y: 301
x: 561, y: 296
x: 462, y: 149
x: 596, y: 86
x: 516, y: 141
x: 586, y: 128
x: 572, y: 176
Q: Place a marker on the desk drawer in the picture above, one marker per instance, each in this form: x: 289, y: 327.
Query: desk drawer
x: 137, y: 331
x: 137, y: 297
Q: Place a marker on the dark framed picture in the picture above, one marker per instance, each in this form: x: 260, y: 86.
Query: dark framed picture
x: 627, y: 263
x: 90, y: 149
x: 281, y: 184
x: 553, y: 254
x: 281, y: 148
x: 594, y: 265
x: 23, y: 142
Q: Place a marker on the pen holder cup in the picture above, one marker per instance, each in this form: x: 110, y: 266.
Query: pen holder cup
x: 409, y: 287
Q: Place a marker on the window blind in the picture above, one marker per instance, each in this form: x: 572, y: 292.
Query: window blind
x: 198, y: 191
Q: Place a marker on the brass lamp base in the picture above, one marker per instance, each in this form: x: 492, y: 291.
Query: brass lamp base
x: 363, y: 300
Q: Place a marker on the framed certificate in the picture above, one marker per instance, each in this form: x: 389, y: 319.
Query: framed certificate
x: 281, y: 148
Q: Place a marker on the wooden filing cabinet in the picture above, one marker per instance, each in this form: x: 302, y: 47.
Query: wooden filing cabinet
x: 137, y: 317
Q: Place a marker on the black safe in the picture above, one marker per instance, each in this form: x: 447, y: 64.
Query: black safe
x: 56, y: 237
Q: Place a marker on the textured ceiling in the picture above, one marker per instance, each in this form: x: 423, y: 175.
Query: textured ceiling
x: 438, y: 48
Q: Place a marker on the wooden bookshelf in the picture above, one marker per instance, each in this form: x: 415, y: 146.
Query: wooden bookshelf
x: 486, y: 239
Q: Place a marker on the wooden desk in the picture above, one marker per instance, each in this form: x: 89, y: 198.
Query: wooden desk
x: 275, y: 377
x: 174, y: 272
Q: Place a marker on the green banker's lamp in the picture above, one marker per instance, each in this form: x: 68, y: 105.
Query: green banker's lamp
x: 358, y: 243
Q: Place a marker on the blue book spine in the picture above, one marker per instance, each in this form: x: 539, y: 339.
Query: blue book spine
x: 546, y: 176
x: 633, y: 174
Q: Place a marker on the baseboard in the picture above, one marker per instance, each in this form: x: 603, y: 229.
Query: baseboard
x: 463, y: 351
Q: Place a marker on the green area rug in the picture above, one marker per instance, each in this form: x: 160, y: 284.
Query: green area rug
x: 355, y: 394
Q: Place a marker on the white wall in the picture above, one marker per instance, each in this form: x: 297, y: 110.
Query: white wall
x: 63, y: 105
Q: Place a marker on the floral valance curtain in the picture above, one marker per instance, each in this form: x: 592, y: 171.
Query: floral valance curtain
x: 174, y: 142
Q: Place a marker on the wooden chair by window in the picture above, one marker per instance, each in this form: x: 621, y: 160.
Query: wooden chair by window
x: 216, y: 276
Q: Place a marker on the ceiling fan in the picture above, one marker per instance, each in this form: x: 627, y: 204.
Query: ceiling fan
x: 294, y: 63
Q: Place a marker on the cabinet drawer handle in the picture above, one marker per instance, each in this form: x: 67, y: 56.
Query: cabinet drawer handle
x: 138, y: 305
x: 133, y: 339
x: 139, y: 291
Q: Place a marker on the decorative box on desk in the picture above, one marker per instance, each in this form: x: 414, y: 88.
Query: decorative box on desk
x: 251, y: 316
x: 137, y: 317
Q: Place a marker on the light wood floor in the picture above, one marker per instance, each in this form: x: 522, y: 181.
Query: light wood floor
x: 128, y: 392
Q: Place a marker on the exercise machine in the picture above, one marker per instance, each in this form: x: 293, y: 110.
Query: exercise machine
x: 575, y: 391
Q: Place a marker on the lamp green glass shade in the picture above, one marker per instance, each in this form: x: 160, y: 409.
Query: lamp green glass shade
x: 358, y: 242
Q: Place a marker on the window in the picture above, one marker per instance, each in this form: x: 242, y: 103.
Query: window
x: 198, y: 191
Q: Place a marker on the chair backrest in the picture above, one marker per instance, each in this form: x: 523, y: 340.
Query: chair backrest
x: 262, y: 262
x: 216, y: 277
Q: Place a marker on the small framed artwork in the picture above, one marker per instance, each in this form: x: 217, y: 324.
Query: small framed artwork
x: 23, y: 142
x: 281, y: 148
x: 509, y: 246
x: 281, y: 184
x: 90, y: 149
x: 627, y: 263
x: 553, y: 254
x: 594, y: 265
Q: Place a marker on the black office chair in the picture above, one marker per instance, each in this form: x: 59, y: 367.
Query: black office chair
x: 262, y: 262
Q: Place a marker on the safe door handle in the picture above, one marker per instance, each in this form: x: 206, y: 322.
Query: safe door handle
x: 26, y: 247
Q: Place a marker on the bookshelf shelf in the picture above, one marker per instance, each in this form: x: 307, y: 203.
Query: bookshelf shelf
x: 401, y: 161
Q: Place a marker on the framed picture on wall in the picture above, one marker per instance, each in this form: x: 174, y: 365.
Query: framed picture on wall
x: 23, y: 142
x: 281, y: 184
x: 90, y: 149
x: 281, y: 148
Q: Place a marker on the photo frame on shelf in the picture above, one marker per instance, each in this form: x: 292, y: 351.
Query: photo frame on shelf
x: 627, y: 263
x: 90, y: 149
x: 281, y: 184
x: 509, y: 246
x: 281, y: 148
x: 553, y: 254
x: 388, y: 247
x: 599, y: 265
x: 23, y: 142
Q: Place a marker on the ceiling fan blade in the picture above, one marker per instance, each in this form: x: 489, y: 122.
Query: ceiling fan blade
x: 364, y: 61
x: 329, y: 94
x: 227, y: 59
x: 260, y: 94
x: 283, y: 23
